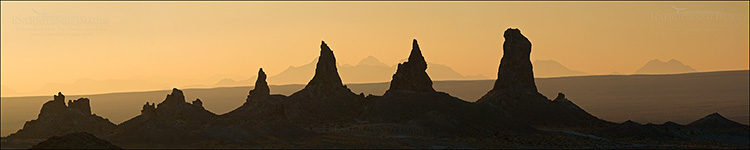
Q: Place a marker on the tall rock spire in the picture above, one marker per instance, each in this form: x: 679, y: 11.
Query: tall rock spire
x: 326, y: 75
x: 515, y: 72
x: 261, y: 86
x: 412, y: 75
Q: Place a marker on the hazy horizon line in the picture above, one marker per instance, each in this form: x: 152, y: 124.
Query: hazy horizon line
x: 250, y: 84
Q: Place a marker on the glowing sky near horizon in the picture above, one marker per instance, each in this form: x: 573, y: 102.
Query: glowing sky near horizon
x: 61, y: 42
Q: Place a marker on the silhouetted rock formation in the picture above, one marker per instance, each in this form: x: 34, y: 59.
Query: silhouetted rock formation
x: 324, y: 101
x: 411, y: 75
x: 515, y: 71
x: 173, y: 121
x: 77, y: 140
x: 261, y: 86
x: 326, y: 77
x: 260, y: 106
x: 56, y: 119
x: 81, y: 104
x: 515, y: 91
x: 716, y: 121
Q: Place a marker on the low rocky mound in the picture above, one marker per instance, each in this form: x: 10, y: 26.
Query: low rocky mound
x: 77, y: 140
x: 57, y: 119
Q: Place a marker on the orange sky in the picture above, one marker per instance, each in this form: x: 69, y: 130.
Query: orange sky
x: 190, y: 42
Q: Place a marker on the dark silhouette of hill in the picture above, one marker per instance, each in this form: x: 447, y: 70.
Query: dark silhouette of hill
x: 729, y: 132
x: 552, y: 68
x: 657, y: 66
x: 716, y: 121
x: 77, y: 140
x: 57, y: 119
x: 516, y: 93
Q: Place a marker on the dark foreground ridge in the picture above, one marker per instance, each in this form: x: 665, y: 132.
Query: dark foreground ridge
x: 410, y: 114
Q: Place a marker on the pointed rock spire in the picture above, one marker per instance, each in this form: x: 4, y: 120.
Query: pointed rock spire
x: 416, y: 56
x: 412, y: 75
x: 326, y: 75
x: 515, y: 71
x: 261, y: 86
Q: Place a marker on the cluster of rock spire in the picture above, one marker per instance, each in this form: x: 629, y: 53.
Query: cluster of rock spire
x: 512, y: 105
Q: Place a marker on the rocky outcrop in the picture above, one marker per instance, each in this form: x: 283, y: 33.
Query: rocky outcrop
x: 412, y: 75
x: 515, y: 92
x: 148, y: 109
x: 77, y: 140
x: 82, y: 105
x: 57, y: 119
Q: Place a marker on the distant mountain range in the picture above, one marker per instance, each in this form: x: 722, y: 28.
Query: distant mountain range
x: 552, y: 68
x: 657, y: 66
x: 368, y: 70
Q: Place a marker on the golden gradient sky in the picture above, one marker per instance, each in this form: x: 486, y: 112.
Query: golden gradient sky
x: 198, y: 40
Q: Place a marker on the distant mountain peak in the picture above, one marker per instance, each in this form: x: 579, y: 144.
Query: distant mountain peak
x: 371, y: 61
x: 657, y: 66
x: 552, y: 68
